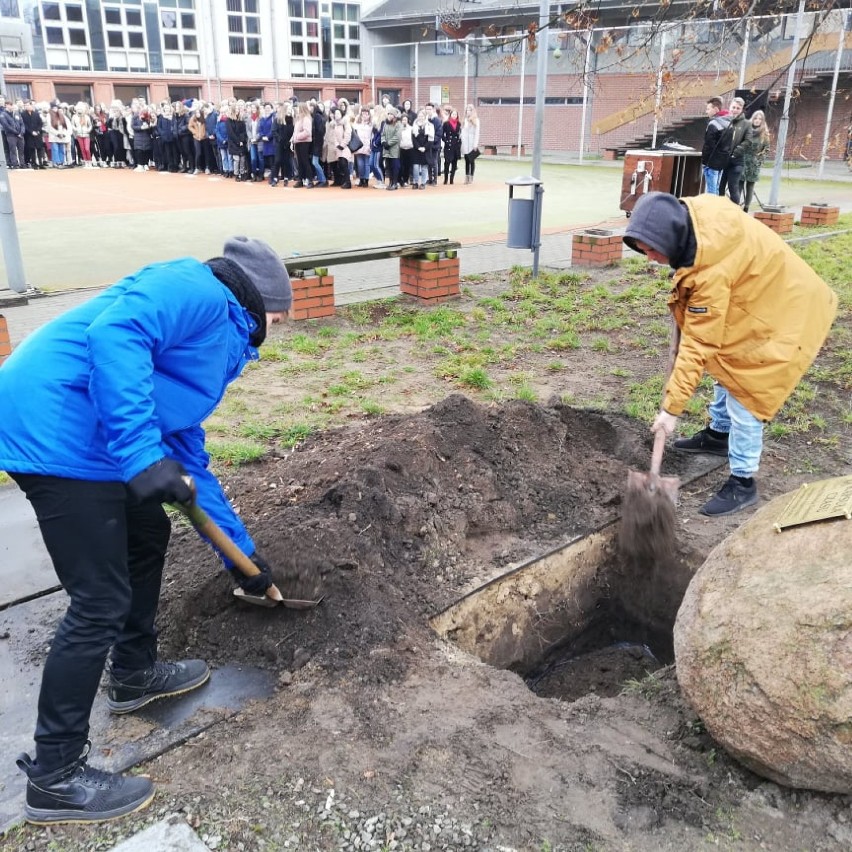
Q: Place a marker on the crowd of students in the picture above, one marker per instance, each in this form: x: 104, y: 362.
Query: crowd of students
x: 303, y: 144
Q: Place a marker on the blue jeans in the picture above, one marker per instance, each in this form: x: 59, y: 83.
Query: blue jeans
x: 376, y: 165
x: 227, y: 161
x: 256, y: 159
x: 318, y: 170
x: 362, y: 166
x: 745, y: 432
x: 419, y: 174
x: 711, y: 180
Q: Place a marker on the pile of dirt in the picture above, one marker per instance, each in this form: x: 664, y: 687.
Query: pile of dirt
x: 399, y: 517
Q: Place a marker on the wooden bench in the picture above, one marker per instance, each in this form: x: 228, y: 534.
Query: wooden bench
x: 428, y: 271
x: 614, y: 153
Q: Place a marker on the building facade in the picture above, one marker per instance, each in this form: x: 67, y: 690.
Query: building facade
x: 98, y: 50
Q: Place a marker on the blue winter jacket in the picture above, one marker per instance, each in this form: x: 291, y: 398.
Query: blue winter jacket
x: 108, y: 388
x: 265, y: 127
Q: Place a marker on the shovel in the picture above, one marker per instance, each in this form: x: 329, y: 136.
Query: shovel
x: 226, y: 546
x: 652, y: 481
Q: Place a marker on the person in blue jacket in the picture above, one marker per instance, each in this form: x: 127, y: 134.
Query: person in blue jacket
x: 102, y: 412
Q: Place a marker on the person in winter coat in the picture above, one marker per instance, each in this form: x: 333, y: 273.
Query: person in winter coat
x: 716, y: 150
x: 756, y: 146
x: 211, y: 149
x: 422, y: 137
x: 733, y: 172
x: 282, y: 132
x: 318, y: 140
x: 117, y: 134
x: 167, y: 132
x: 130, y: 375
x: 101, y: 147
x: 751, y: 313
x: 58, y: 134
x: 238, y: 143
x: 266, y: 138
x: 143, y: 123
x: 227, y: 164
x: 433, y: 114
x: 364, y: 128
x: 406, y: 145
x: 14, y: 131
x: 452, y: 145
x: 81, y: 127
x: 408, y: 110
x: 341, y: 133
x: 470, y: 142
x: 390, y: 147
x: 34, y: 152
x: 376, y: 151
x: 303, y: 131
x: 197, y: 126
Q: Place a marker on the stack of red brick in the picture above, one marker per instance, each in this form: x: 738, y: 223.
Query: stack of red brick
x: 596, y: 248
x: 429, y: 280
x: 819, y: 214
x: 313, y: 297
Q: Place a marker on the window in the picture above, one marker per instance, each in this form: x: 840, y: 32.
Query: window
x: 68, y: 93
x: 65, y: 31
x: 248, y: 94
x: 127, y: 93
x: 9, y: 9
x: 443, y: 45
x: 343, y: 40
x: 243, y: 27
x: 182, y: 93
x: 180, y: 37
x: 304, y: 39
x: 125, y: 36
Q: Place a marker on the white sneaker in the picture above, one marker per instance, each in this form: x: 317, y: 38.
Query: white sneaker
x: 139, y: 169
x: 207, y: 171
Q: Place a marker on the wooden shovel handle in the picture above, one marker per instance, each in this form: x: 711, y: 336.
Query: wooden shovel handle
x: 223, y: 543
x: 657, y: 452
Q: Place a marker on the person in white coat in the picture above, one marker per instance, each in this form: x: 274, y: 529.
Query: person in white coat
x: 470, y: 142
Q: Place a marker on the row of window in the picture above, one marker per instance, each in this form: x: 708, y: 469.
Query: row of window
x: 325, y: 37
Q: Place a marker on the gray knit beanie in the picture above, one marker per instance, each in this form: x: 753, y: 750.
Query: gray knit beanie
x: 265, y: 269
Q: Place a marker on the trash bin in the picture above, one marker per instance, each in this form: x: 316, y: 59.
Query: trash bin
x: 524, y: 214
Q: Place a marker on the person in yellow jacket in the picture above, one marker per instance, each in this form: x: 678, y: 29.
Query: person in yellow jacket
x: 752, y: 314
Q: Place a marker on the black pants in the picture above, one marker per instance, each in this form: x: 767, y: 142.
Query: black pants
x: 16, y: 151
x: 171, y: 155
x: 469, y: 164
x: 303, y: 158
x: 450, y: 169
x: 730, y: 180
x: 108, y: 552
x: 34, y: 150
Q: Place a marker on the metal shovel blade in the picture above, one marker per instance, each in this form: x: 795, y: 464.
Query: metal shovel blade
x: 668, y: 485
x: 266, y: 601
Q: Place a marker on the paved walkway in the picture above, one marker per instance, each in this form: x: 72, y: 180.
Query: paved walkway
x: 355, y: 283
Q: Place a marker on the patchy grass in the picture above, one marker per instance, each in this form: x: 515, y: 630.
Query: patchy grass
x: 594, y: 338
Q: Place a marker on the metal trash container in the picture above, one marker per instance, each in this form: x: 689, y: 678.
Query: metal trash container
x: 524, y: 214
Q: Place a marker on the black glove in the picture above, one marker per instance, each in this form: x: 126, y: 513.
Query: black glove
x: 258, y: 584
x: 161, y: 481
x: 385, y: 146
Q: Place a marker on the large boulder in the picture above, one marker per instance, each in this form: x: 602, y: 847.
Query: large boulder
x: 763, y: 646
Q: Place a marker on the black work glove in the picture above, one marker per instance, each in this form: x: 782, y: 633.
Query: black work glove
x: 162, y: 481
x: 258, y: 584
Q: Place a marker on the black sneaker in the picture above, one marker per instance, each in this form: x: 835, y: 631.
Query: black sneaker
x: 127, y: 693
x: 80, y: 793
x: 703, y: 442
x: 733, y: 497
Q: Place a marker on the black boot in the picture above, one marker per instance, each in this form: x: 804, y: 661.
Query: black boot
x: 128, y: 691
x: 79, y: 793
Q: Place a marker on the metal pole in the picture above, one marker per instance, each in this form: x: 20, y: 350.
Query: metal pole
x: 538, y: 123
x: 521, y: 98
x: 785, y: 115
x: 466, y: 63
x: 274, y: 52
x: 586, y: 88
x: 659, y: 98
x: 373, y: 73
x: 8, y: 227
x: 744, y: 60
x: 417, y: 75
x: 540, y: 85
x: 828, y: 117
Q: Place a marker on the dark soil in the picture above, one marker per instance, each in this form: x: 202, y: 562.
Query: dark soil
x: 397, y: 518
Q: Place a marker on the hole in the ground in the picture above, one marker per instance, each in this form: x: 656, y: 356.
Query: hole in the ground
x: 577, y: 620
